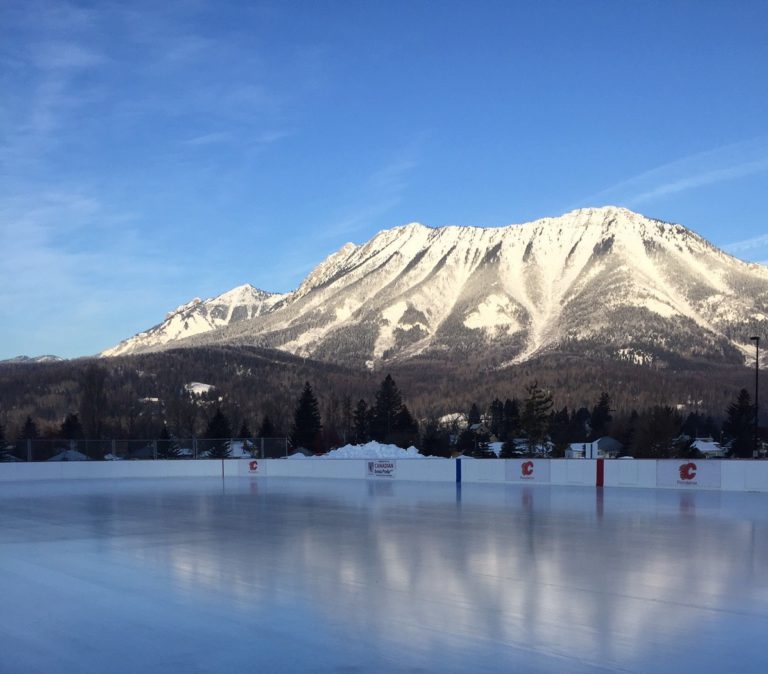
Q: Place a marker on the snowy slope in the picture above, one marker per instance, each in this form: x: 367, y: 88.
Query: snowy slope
x: 197, y: 317
x: 603, y: 281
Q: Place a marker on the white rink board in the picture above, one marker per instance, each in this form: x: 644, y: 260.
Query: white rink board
x: 319, y: 468
x: 629, y: 473
x: 573, y: 471
x: 726, y: 475
x: 688, y: 474
x: 483, y: 470
x: 427, y: 470
x: 87, y: 470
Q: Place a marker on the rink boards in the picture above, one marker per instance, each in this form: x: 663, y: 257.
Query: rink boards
x: 672, y: 474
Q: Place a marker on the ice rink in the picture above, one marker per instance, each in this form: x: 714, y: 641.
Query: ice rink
x: 283, y: 575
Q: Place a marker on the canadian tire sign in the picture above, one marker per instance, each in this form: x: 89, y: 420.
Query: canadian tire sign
x: 381, y: 468
x: 688, y: 474
x: 526, y: 470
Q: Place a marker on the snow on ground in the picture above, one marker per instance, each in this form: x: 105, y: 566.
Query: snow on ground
x: 370, y: 450
x: 198, y: 388
x: 708, y: 447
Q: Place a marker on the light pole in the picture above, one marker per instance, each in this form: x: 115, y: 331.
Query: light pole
x: 756, y: 340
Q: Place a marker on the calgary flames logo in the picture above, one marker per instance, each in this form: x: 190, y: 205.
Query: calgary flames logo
x: 688, y: 471
x: 253, y: 466
x: 526, y: 468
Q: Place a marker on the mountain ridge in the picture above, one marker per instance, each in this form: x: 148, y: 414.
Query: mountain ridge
x: 606, y: 281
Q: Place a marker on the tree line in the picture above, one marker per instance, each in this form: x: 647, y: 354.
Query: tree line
x: 146, y: 395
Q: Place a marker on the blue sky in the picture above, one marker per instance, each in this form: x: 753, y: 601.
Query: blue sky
x: 151, y: 152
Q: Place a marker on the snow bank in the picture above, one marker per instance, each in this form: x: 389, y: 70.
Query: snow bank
x: 371, y: 450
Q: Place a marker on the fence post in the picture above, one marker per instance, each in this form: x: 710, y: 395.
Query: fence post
x: 194, y: 448
x: 29, y: 450
x: 114, y: 447
x: 154, y: 450
x: 262, y: 447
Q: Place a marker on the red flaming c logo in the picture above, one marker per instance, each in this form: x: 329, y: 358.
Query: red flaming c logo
x: 253, y: 466
x: 688, y: 471
x: 526, y: 468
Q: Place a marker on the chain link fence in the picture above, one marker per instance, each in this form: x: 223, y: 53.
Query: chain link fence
x: 145, y: 450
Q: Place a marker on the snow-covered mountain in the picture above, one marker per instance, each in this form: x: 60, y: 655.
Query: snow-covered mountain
x: 603, y: 282
x: 48, y: 358
x: 200, y: 316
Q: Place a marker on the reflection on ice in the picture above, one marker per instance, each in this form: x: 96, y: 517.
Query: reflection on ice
x: 387, y: 575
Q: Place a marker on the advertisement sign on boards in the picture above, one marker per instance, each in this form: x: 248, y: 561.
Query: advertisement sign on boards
x: 381, y: 468
x: 688, y: 473
x: 526, y: 470
x: 251, y: 467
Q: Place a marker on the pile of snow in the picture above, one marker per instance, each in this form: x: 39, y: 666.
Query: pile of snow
x: 370, y: 450
x: 69, y: 455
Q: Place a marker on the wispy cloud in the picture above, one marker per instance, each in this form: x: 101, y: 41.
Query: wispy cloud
x: 750, y: 249
x: 377, y: 194
x: 366, y: 206
x: 748, y: 245
x: 61, y: 55
x: 213, y: 138
x: 728, y: 162
x: 126, y: 106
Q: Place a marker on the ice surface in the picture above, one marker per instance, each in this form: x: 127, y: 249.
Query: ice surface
x: 285, y: 575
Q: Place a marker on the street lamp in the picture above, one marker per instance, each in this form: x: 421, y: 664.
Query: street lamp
x: 756, y: 340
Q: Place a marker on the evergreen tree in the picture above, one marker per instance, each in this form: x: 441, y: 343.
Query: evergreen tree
x: 93, y: 400
x: 406, y: 430
x: 219, y: 433
x: 346, y: 419
x: 739, y: 425
x: 579, y: 423
x: 656, y: 433
x: 535, y: 417
x: 267, y: 429
x: 70, y: 428
x: 29, y: 430
x: 509, y: 450
x: 474, y: 415
x: 496, y: 411
x: 307, y: 424
x: 711, y: 428
x: 601, y: 416
x: 166, y: 447
x: 5, y: 454
x: 558, y: 431
x: 693, y: 425
x: 385, y: 411
x: 466, y: 441
x: 511, y: 419
x: 480, y: 446
x: 624, y: 429
x: 435, y: 441
x: 244, y: 433
x: 360, y: 423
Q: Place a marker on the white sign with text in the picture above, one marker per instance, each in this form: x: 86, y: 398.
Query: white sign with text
x: 381, y: 468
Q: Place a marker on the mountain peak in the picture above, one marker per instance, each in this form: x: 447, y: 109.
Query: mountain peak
x: 605, y: 281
